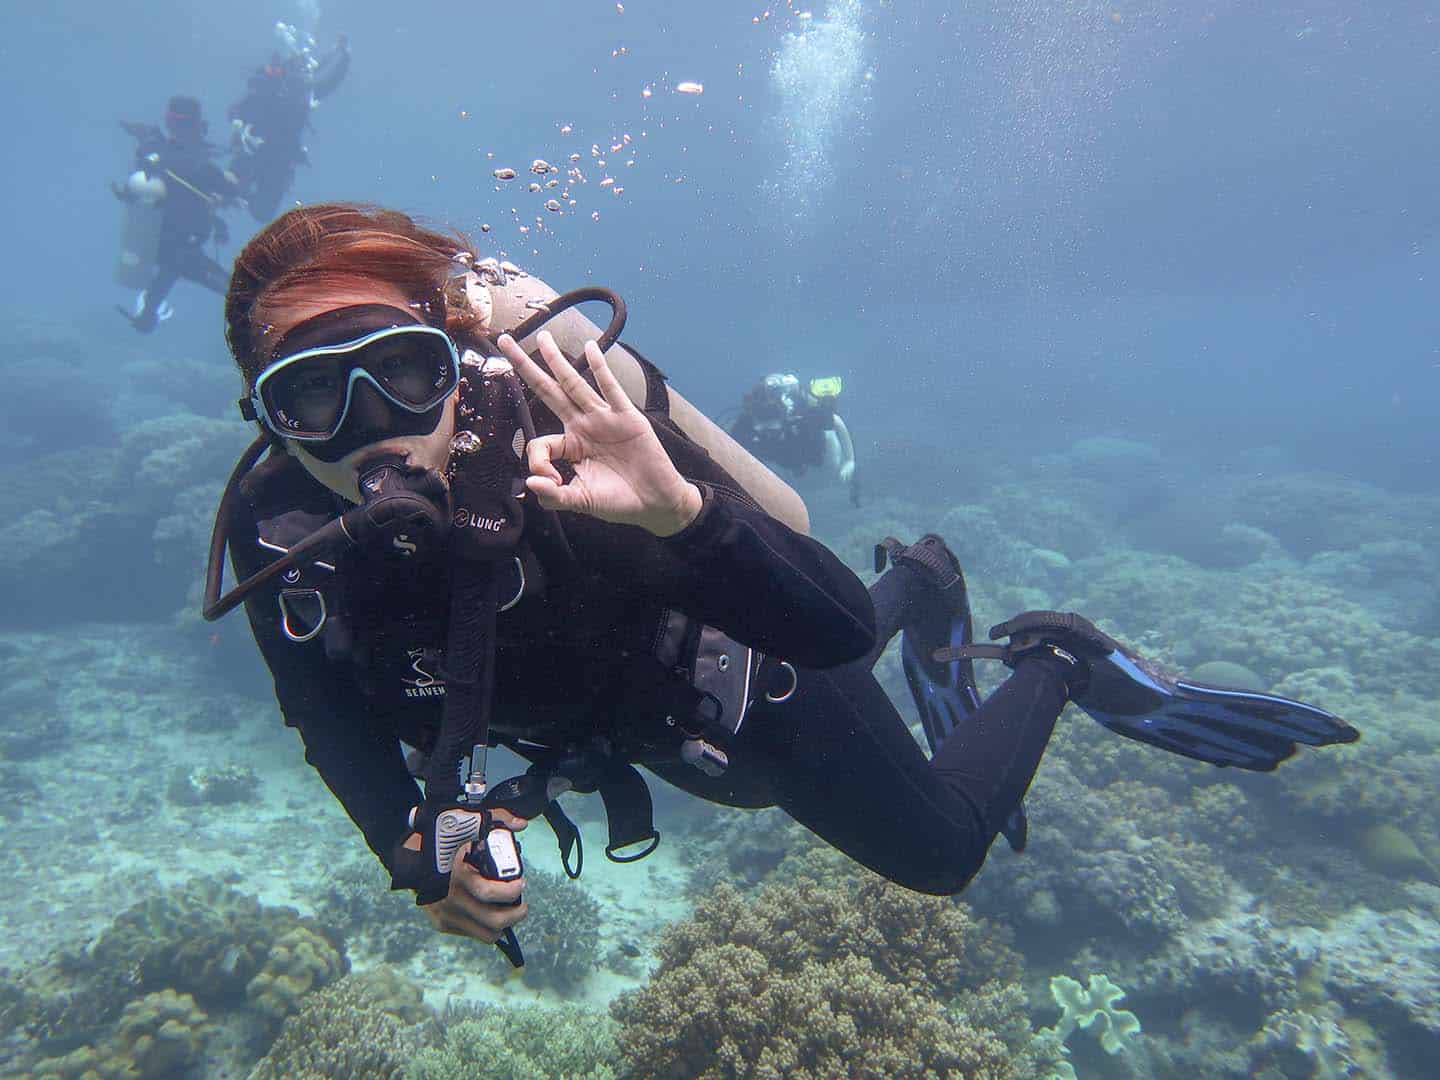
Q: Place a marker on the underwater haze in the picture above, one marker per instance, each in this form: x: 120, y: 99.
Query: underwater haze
x: 1133, y: 302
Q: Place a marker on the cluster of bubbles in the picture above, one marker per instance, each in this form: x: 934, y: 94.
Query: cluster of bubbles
x: 571, y: 183
x: 819, y: 71
x: 821, y: 77
x: 559, y: 184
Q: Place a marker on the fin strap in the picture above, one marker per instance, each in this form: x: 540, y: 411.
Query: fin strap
x: 950, y: 653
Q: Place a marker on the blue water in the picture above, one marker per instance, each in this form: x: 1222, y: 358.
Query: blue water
x: 1211, y: 229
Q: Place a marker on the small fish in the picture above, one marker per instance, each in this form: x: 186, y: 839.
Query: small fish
x: 628, y: 949
x: 230, y: 960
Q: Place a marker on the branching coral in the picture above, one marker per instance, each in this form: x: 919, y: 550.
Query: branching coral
x: 561, y: 938
x: 728, y: 1013
x: 355, y: 898
x: 921, y: 942
x: 522, y: 1044
x: 809, y: 980
x: 362, y: 1026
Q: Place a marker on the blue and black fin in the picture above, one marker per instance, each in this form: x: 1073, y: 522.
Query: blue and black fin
x: 1132, y: 697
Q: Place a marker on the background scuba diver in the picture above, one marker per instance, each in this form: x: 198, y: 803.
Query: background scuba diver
x: 173, y: 200
x: 347, y: 324
x: 797, y: 427
x: 268, y: 124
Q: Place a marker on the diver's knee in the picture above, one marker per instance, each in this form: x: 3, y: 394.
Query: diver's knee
x: 946, y: 872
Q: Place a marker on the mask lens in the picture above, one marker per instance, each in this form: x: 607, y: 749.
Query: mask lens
x: 415, y: 368
x: 309, y: 396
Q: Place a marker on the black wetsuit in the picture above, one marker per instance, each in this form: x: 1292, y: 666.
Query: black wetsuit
x: 276, y: 106
x: 578, y: 661
x: 195, y: 188
x: 795, y: 441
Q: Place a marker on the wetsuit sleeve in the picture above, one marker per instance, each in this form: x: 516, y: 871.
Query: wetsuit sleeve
x: 331, y: 72
x: 743, y: 572
x: 768, y: 586
x: 362, y: 766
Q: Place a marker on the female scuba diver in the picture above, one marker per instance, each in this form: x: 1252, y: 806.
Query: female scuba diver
x: 471, y: 531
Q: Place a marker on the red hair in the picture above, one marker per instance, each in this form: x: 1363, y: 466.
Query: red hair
x: 314, y: 252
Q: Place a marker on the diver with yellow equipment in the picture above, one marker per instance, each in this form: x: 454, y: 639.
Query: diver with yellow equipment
x: 796, y: 427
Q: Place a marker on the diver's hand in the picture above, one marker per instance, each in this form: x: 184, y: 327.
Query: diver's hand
x: 477, y: 907
x: 622, y: 473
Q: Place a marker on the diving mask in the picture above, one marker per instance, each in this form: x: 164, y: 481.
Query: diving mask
x: 307, y: 393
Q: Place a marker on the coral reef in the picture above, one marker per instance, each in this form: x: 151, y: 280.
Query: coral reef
x: 1107, y: 858
x: 1238, y: 966
x: 152, y: 498
x: 561, y: 938
x: 157, y: 1037
x: 530, y: 1043
x: 810, y: 980
x: 1093, y: 1005
x: 298, y: 961
x: 203, y: 940
x: 1385, y: 966
x: 729, y: 1013
x: 1305, y: 1043
x: 1288, y: 505
x: 209, y: 940
x: 361, y: 1026
x: 739, y: 847
x: 355, y: 898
